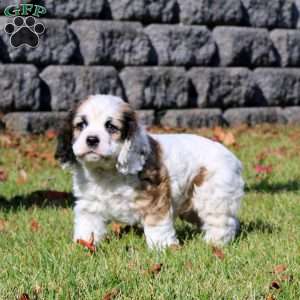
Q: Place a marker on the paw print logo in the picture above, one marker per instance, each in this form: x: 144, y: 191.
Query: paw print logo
x: 24, y: 31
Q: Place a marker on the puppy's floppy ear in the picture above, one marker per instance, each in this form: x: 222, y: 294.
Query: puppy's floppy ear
x: 136, y: 147
x: 64, y: 152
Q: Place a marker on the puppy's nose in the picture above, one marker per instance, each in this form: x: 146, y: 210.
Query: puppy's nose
x: 92, y: 141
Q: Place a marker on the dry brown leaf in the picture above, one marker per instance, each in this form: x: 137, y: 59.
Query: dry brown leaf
x: 51, y: 134
x: 111, y: 294
x: 270, y: 297
x: 218, y: 252
x: 34, y: 225
x: 3, y: 175
x: 23, y: 177
x: 286, y: 277
x: 175, y: 247
x: 154, y: 269
x: 90, y: 245
x: 8, y: 141
x: 227, y: 138
x: 275, y: 285
x: 24, y: 296
x: 279, y: 269
x: 116, y: 229
x: 2, y: 225
x: 261, y: 169
x: 188, y: 265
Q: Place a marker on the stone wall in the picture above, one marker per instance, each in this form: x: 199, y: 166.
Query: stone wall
x: 179, y: 62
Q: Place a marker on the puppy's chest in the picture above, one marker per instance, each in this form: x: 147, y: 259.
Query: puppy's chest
x: 112, y: 196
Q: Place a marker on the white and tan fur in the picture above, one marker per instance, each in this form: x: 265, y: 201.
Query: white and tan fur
x: 134, y: 177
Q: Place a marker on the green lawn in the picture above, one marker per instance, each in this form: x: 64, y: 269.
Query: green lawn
x: 37, y: 255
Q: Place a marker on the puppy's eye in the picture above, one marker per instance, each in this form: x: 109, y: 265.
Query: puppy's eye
x: 80, y: 125
x: 111, y: 128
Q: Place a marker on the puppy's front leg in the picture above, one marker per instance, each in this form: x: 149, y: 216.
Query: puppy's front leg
x: 160, y: 234
x: 88, y: 224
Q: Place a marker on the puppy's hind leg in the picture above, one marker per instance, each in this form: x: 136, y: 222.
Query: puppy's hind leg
x: 217, y: 205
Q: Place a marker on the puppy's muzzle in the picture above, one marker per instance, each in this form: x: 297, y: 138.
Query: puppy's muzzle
x: 92, y: 141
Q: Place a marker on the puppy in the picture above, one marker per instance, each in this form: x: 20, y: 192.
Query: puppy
x: 122, y: 173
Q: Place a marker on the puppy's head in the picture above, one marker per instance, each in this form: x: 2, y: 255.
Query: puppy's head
x: 103, y: 131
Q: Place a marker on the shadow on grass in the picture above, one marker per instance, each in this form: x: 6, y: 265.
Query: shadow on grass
x: 186, y: 231
x: 265, y: 186
x: 257, y: 226
x: 41, y: 199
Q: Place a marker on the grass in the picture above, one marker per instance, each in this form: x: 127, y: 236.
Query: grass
x: 37, y: 255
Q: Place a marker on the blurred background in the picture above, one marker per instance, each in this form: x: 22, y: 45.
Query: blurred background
x: 180, y: 63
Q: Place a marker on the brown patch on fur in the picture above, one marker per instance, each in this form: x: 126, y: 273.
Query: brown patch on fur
x: 154, y: 200
x: 64, y: 152
x: 128, y: 122
x: 186, y: 210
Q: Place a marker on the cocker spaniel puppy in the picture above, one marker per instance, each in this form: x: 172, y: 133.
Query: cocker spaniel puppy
x: 122, y: 173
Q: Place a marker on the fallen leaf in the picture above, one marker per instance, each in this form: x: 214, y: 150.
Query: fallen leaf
x: 116, y: 229
x: 279, y: 269
x: 34, y: 225
x: 3, y: 175
x: 218, y: 252
x: 227, y: 138
x: 23, y: 177
x: 286, y: 277
x: 154, y: 269
x: 131, y: 265
x: 175, y: 247
x: 37, y: 290
x: 8, y: 141
x: 2, y: 225
x: 51, y: 134
x: 88, y: 244
x: 111, y: 294
x: 270, y: 297
x: 275, y: 285
x: 261, y: 169
x: 24, y: 296
x: 188, y: 265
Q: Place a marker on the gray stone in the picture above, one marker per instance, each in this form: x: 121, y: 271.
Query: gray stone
x: 70, y: 84
x: 37, y: 122
x: 113, y: 43
x: 292, y: 114
x: 155, y: 87
x: 253, y: 116
x: 225, y: 87
x: 57, y: 45
x: 287, y: 43
x: 153, y: 11
x: 280, y: 87
x: 146, y: 117
x: 271, y: 14
x: 182, y: 45
x: 208, y: 12
x: 20, y: 88
x: 245, y: 47
x: 192, y: 118
x: 74, y: 9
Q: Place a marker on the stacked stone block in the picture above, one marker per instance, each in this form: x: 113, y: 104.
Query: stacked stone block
x: 180, y: 63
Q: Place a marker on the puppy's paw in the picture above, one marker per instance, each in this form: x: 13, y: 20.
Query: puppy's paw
x: 162, y: 244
